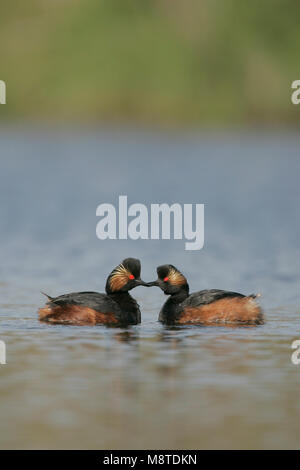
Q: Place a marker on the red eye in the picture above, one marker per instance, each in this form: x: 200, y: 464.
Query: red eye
x: 131, y: 276
x: 166, y: 279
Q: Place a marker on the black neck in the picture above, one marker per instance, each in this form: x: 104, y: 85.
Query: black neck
x: 179, y: 297
x: 122, y: 298
x: 171, y: 308
x: 128, y: 305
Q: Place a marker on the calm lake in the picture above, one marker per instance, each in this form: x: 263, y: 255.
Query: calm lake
x: 148, y: 386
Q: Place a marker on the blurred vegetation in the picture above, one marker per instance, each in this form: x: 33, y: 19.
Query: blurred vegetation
x: 208, y: 62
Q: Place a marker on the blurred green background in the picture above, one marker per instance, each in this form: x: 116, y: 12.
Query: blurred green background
x: 161, y: 62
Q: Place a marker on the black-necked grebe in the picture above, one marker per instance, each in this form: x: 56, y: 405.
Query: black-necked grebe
x: 205, y: 307
x: 116, y: 307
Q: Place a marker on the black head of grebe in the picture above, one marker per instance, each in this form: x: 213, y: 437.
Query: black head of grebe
x: 171, y: 281
x: 126, y: 276
x: 116, y: 307
x: 213, y: 306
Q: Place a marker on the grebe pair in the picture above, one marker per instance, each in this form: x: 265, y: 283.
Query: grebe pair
x: 118, y: 308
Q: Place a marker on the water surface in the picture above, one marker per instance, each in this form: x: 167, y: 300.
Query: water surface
x: 148, y: 386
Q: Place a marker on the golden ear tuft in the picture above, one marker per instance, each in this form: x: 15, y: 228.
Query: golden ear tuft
x: 119, y: 278
x: 176, y: 278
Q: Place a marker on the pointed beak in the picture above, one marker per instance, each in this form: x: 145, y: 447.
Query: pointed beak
x: 153, y: 283
x: 139, y: 282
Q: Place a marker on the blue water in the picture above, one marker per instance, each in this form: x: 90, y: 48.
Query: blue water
x: 148, y: 386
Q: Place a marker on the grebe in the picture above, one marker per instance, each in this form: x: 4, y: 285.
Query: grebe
x: 204, y: 307
x: 116, y: 307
